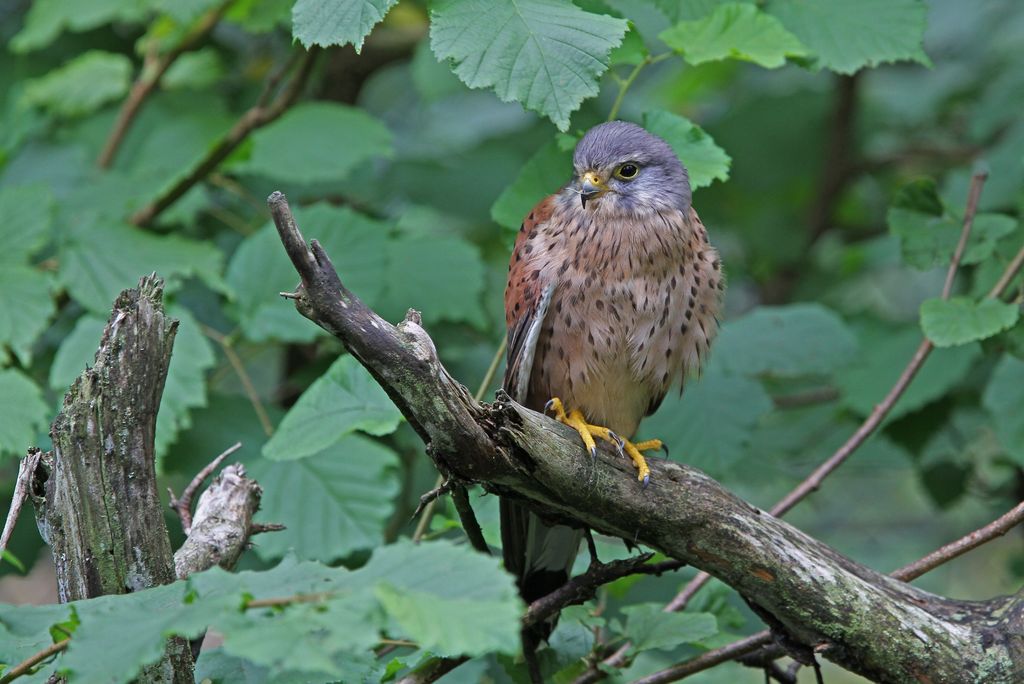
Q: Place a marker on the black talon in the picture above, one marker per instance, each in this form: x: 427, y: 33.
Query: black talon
x: 593, y: 452
x: 620, y: 444
x: 647, y: 481
x: 664, y: 447
x: 548, y: 404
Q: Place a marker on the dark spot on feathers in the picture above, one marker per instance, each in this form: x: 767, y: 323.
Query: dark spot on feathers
x: 599, y: 304
x: 683, y: 328
x: 689, y: 314
x: 693, y: 290
x: 590, y: 337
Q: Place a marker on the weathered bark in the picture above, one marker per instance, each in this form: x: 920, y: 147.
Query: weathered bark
x: 860, y: 619
x: 99, y: 509
x: 222, y: 523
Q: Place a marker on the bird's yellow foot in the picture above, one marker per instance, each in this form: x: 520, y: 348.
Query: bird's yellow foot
x: 588, y: 432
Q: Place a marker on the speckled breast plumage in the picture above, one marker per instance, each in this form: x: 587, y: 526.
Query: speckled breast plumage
x: 633, y: 307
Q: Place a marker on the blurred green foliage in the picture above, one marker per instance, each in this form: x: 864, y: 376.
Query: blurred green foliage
x: 830, y: 145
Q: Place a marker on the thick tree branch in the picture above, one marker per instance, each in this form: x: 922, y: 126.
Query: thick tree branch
x: 871, y: 624
x: 907, y: 573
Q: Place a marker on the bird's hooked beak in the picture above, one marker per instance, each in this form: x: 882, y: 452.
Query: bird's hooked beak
x: 591, y: 186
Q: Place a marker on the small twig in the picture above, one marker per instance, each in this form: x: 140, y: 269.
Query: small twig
x: 261, y: 528
x: 583, y: 587
x: 469, y: 522
x: 256, y: 117
x: 977, y: 181
x: 22, y: 491
x: 24, y: 666
x: 283, y: 601
x: 874, y: 419
x: 432, y: 669
x: 625, y: 85
x: 146, y: 82
x: 1009, y: 274
x: 183, y: 506
x: 243, y: 376
x: 428, y: 498
x: 996, y: 528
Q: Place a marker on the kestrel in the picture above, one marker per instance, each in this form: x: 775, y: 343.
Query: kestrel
x: 612, y: 294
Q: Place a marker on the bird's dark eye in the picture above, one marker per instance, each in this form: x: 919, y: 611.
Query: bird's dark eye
x: 627, y: 171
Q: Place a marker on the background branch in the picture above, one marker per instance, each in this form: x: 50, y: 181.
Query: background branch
x: 149, y: 79
x: 259, y: 115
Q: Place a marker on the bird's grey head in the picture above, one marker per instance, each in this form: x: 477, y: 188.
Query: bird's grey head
x: 624, y: 170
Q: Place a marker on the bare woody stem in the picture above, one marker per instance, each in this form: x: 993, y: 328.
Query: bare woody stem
x: 149, y: 79
x: 256, y: 117
x: 23, y: 667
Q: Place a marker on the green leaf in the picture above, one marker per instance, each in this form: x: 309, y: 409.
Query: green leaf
x: 200, y: 69
x: 260, y: 269
x: 632, y: 51
x: 649, y: 627
x: 792, y: 340
x: 545, y: 172
x: 1003, y: 399
x: 99, y: 259
x: 847, y: 36
x: 24, y: 412
x: 960, y: 320
x: 315, y: 142
x: 81, y: 86
x: 929, y: 236
x: 25, y: 309
x: 452, y: 627
x: 185, y: 387
x: 28, y: 219
x: 710, y: 425
x: 704, y: 160
x: 546, y: 54
x: 184, y: 11
x: 736, y: 31
x: 48, y: 18
x: 9, y: 557
x: 328, y: 638
x: 337, y: 22
x: 332, y: 503
x: 77, y: 350
x: 986, y: 232
x: 344, y: 399
x: 884, y: 353
x: 421, y: 274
